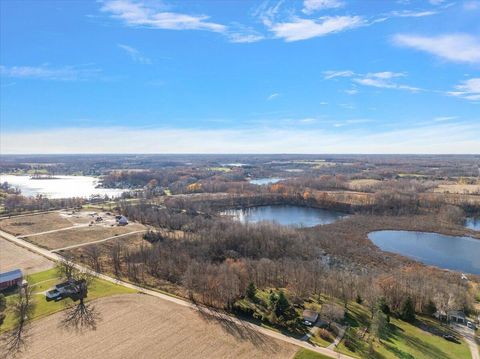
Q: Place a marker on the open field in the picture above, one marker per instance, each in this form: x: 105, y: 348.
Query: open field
x: 140, y: 326
x: 13, y: 256
x: 34, y: 223
x: 458, y: 188
x: 43, y: 281
x: 81, y: 235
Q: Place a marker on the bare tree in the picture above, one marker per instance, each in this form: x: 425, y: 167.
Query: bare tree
x: 332, y: 313
x: 22, y: 309
x: 82, y: 315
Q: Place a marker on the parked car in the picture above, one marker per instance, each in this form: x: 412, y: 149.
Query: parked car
x: 471, y: 325
x: 449, y: 337
x: 53, y: 294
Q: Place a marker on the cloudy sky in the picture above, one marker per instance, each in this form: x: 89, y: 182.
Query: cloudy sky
x: 313, y: 76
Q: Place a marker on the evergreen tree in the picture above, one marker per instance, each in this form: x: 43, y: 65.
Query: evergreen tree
x: 383, y: 306
x: 407, y: 311
x: 282, y: 305
x: 251, y: 291
x: 379, y: 326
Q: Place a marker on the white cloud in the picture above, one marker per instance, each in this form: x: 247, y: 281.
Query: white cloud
x: 332, y: 74
x: 351, y: 91
x: 436, y: 138
x: 46, y: 72
x: 385, y: 79
x: 310, y: 6
x: 471, y: 5
x: 302, y: 29
x: 238, y: 37
x: 410, y: 13
x: 444, y: 118
x: 451, y: 47
x: 436, y: 2
x: 273, y: 96
x: 138, y: 13
x: 468, y: 89
x: 135, y: 55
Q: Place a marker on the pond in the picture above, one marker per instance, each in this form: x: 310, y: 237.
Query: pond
x: 60, y: 186
x: 449, y: 252
x: 473, y: 223
x: 264, y: 181
x: 286, y: 215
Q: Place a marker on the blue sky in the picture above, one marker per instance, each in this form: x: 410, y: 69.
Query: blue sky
x: 313, y: 76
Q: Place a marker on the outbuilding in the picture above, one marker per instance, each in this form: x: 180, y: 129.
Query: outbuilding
x: 11, y: 279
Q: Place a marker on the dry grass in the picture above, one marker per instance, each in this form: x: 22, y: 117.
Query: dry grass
x: 81, y: 235
x: 458, y: 188
x: 361, y: 184
x: 13, y: 256
x: 34, y: 223
x: 140, y: 326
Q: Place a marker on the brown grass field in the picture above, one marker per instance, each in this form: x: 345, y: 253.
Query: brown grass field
x: 13, y: 256
x: 81, y: 235
x: 34, y: 223
x: 140, y: 326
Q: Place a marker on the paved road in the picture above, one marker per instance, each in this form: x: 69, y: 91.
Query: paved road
x: 270, y: 333
x: 469, y: 336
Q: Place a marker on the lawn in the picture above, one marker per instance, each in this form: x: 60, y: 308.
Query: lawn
x: 45, y: 280
x: 406, y: 341
x: 308, y: 354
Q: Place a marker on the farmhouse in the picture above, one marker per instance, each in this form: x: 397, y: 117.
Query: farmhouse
x: 456, y: 316
x: 309, y: 317
x: 11, y: 279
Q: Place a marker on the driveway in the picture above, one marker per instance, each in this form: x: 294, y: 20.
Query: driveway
x: 469, y: 336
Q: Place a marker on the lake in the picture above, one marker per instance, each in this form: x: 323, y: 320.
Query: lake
x: 60, y: 187
x: 449, y: 252
x: 473, y: 223
x: 286, y: 215
x: 264, y: 181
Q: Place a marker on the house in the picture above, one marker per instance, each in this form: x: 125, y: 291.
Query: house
x: 122, y: 221
x: 11, y: 279
x: 310, y: 317
x: 457, y: 316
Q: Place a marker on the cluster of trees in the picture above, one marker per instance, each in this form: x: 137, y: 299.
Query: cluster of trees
x: 15, y: 203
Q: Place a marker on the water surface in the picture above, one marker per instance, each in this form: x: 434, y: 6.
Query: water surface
x: 264, y: 181
x: 60, y: 187
x: 449, y: 252
x: 286, y: 215
x: 473, y: 223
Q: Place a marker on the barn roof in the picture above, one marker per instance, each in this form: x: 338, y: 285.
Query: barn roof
x: 12, y: 275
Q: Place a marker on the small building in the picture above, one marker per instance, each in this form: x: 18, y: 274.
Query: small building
x: 457, y: 316
x: 11, y: 279
x: 310, y: 317
x: 122, y: 221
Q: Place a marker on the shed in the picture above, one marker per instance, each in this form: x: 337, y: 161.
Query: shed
x: 457, y: 316
x: 11, y: 279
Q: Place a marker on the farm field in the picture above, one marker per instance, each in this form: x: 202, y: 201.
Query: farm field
x: 35, y: 223
x: 140, y: 326
x: 81, y: 235
x: 13, y: 256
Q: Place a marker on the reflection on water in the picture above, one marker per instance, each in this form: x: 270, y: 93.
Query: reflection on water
x: 449, y: 252
x: 473, y: 223
x: 60, y: 187
x: 264, y: 181
x: 286, y: 215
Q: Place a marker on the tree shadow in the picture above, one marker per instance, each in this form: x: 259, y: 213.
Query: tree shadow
x: 239, y: 329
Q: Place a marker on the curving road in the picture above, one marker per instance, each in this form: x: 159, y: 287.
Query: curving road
x: 56, y: 257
